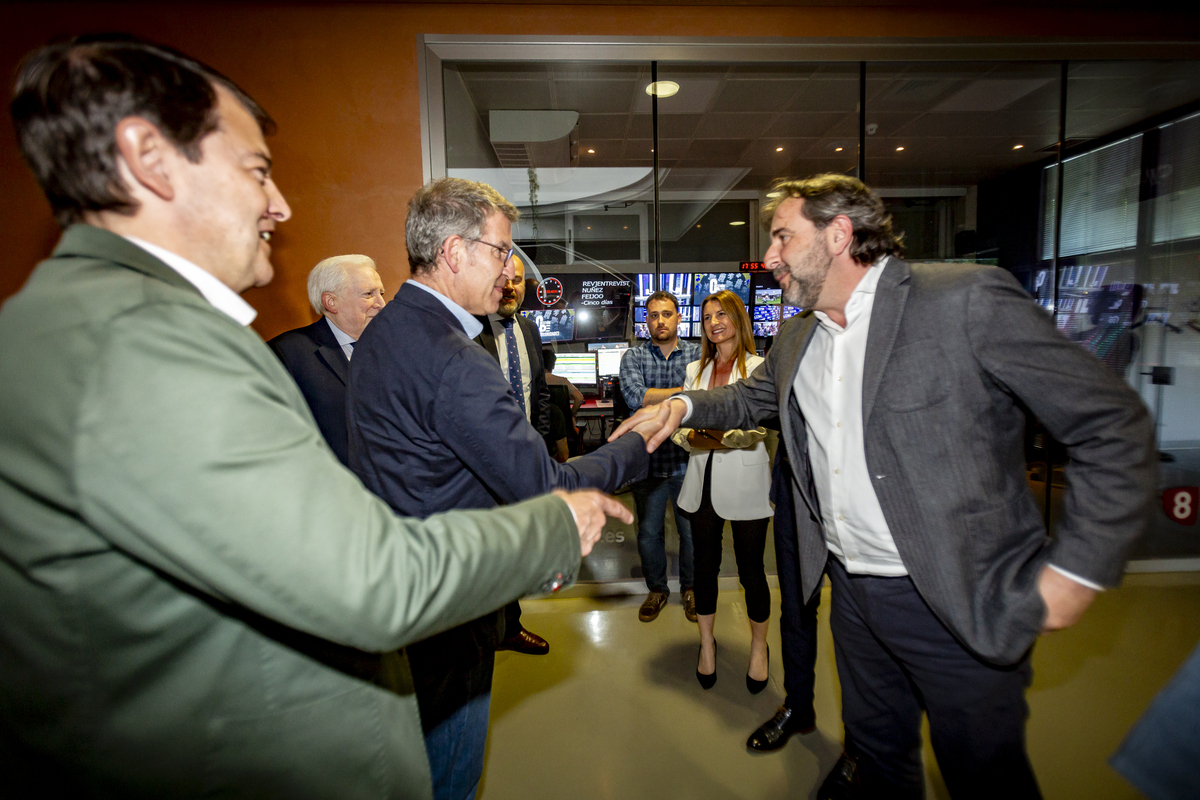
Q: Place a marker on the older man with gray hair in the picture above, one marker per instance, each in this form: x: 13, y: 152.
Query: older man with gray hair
x: 347, y: 293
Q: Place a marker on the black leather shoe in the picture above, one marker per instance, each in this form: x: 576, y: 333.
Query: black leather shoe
x: 525, y: 642
x: 843, y: 783
x: 710, y: 680
x: 756, y: 686
x: 774, y: 733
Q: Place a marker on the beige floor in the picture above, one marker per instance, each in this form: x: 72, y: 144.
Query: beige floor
x: 614, y: 711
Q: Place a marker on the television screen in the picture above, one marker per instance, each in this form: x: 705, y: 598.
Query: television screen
x: 645, y: 287
x: 697, y: 330
x: 712, y: 282
x: 686, y: 314
x: 600, y: 323
x: 554, y: 324
x: 764, y: 296
x: 766, y: 328
x: 639, y: 314
x: 640, y: 331
x: 578, y: 368
x: 678, y: 284
x: 766, y: 313
x: 790, y: 311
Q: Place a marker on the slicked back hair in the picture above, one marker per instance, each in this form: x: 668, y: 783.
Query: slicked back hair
x: 833, y: 195
x: 333, y: 275
x: 69, y: 97
x: 448, y: 207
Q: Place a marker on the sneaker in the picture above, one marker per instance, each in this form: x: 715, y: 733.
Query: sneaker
x: 653, y: 605
x: 689, y: 604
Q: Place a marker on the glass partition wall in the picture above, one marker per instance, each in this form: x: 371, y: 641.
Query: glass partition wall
x: 637, y: 175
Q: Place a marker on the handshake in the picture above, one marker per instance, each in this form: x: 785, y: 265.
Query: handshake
x: 590, y: 507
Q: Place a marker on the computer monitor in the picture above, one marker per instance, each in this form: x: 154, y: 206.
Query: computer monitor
x: 554, y: 324
x: 790, y: 311
x: 608, y: 357
x: 766, y: 328
x: 644, y: 286
x: 678, y: 284
x: 767, y: 296
x: 578, y: 368
x: 641, y: 330
x: 766, y: 313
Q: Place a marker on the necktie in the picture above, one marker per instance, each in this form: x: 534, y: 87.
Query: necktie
x: 514, y: 361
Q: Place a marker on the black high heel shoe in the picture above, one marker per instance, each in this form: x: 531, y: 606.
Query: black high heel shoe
x: 707, y: 681
x: 757, y: 686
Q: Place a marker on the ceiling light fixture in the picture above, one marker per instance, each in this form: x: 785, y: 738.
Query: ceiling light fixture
x: 591, y: 151
x: 838, y: 149
x: 898, y: 149
x: 737, y: 222
x: 1017, y: 146
x: 778, y: 149
x: 662, y: 88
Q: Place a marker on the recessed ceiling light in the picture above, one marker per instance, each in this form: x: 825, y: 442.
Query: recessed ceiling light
x: 1017, y: 146
x: 591, y: 151
x: 737, y: 222
x: 774, y: 194
x: 662, y: 88
x: 697, y: 226
x: 778, y: 149
x: 898, y: 149
x: 838, y: 149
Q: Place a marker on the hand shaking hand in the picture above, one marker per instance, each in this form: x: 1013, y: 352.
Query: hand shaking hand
x: 655, y: 423
x: 592, y: 509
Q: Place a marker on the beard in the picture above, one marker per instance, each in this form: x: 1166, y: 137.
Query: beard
x: 808, y: 275
x: 508, y: 307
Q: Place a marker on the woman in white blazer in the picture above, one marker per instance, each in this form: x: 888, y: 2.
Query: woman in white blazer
x: 728, y: 478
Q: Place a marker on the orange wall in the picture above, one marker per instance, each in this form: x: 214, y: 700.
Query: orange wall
x: 341, y: 80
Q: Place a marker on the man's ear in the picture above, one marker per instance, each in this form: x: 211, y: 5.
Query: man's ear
x: 839, y: 234
x: 146, y: 154
x: 329, y: 302
x: 452, y: 252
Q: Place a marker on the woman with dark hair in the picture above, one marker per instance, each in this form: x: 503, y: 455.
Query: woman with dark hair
x: 728, y: 478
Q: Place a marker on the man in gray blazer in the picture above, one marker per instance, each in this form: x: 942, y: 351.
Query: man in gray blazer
x: 900, y: 396
x: 198, y: 599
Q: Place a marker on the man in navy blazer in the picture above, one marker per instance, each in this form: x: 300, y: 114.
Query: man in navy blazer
x: 347, y: 292
x: 435, y: 426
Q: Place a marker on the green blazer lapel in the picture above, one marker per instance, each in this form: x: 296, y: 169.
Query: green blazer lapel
x: 890, y: 296
x: 87, y: 241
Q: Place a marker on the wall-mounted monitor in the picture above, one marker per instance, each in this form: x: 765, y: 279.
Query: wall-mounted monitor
x: 641, y: 331
x: 578, y: 368
x: 639, y: 314
x: 554, y: 324
x: 766, y: 328
x: 712, y: 282
x: 678, y: 284
x: 789, y: 311
x: 645, y: 286
x: 766, y: 313
x: 592, y: 322
x: 766, y: 296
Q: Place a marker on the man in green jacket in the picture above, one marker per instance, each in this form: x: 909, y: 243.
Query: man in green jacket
x: 195, y: 592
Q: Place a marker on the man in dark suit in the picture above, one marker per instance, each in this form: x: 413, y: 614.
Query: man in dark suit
x: 900, y: 398
x: 435, y: 425
x: 516, y: 344
x: 347, y: 293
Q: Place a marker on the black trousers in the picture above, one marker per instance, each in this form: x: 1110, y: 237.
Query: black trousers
x: 895, y: 659
x: 749, y: 543
x: 797, y: 614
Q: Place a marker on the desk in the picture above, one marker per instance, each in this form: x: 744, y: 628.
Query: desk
x: 596, y: 418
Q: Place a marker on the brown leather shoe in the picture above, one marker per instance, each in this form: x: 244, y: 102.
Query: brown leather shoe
x: 652, y: 606
x: 525, y: 642
x: 689, y: 604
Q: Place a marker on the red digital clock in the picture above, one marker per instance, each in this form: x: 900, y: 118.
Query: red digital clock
x: 549, y: 291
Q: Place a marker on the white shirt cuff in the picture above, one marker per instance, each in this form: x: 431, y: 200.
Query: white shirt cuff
x: 1084, y: 581
x: 687, y: 401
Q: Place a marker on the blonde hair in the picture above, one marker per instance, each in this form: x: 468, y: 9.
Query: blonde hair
x: 736, y: 311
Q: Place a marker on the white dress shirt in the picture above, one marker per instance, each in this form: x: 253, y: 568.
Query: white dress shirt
x: 344, y: 340
x: 470, y: 325
x: 522, y: 352
x: 828, y: 388
x: 224, y: 299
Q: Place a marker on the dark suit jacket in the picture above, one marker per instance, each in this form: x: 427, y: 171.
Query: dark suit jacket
x: 434, y: 426
x: 320, y: 368
x: 539, y: 394
x: 952, y: 352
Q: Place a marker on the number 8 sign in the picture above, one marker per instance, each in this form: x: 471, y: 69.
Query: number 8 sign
x: 1181, y: 503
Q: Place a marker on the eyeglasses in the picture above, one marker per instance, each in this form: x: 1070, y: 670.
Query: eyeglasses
x: 506, y: 253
